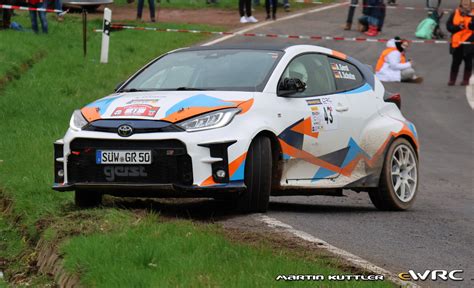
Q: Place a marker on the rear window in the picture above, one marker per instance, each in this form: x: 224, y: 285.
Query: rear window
x: 347, y: 76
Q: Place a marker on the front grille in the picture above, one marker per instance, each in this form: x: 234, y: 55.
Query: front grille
x: 139, y: 126
x: 170, y: 163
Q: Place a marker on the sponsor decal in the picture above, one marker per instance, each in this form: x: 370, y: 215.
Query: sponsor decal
x: 313, y: 101
x: 335, y: 277
x: 111, y: 172
x: 323, y: 116
x: 143, y: 101
x: 143, y: 110
x: 433, y: 275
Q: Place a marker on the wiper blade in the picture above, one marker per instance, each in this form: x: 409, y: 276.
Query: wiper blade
x: 134, y: 90
x: 190, y: 89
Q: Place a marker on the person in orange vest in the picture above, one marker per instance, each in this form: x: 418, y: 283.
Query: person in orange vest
x: 392, y: 65
x: 461, y: 25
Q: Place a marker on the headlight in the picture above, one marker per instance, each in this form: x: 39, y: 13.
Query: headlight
x: 210, y: 120
x: 77, y: 121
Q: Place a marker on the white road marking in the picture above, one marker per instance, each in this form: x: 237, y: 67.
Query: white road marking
x: 470, y: 92
x: 265, y: 23
x: 349, y: 257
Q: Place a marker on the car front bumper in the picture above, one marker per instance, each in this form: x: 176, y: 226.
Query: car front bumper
x: 191, y: 166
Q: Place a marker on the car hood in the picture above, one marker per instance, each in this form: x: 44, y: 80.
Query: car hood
x: 171, y: 106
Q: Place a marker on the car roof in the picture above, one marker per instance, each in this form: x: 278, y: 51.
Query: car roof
x: 247, y: 45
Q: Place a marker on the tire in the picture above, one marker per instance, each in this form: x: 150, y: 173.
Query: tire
x: 396, y: 171
x: 258, y: 177
x: 87, y: 198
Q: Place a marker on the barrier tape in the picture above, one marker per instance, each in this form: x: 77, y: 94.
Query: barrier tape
x: 387, y: 6
x: 284, y: 36
x: 13, y: 7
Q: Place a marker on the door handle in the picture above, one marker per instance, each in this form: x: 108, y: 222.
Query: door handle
x: 341, y: 108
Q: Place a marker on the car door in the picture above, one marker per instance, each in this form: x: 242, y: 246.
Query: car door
x: 314, y: 146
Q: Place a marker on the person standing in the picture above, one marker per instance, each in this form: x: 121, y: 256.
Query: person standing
x: 6, y: 15
x: 461, y: 26
x: 151, y: 6
x: 273, y: 4
x: 42, y: 15
x: 245, y: 10
x: 392, y: 65
x: 373, y: 17
x: 350, y: 14
x: 58, y: 5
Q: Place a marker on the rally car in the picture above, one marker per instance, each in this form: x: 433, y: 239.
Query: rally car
x: 243, y: 122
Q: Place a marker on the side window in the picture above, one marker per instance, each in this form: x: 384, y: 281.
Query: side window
x: 314, y: 70
x: 347, y: 76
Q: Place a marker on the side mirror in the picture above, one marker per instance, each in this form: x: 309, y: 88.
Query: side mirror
x: 118, y: 86
x: 290, y: 86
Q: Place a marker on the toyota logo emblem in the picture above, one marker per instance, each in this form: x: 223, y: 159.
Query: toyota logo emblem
x: 125, y: 130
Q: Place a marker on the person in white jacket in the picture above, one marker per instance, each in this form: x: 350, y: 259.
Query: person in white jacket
x: 392, y: 65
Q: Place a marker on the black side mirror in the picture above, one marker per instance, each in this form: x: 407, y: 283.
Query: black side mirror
x: 290, y: 86
x: 118, y: 86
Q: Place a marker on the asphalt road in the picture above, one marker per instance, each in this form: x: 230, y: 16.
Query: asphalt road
x: 438, y: 232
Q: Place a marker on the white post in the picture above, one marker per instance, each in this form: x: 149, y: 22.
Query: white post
x: 104, y: 52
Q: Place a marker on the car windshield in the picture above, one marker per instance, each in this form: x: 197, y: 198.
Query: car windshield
x: 224, y: 70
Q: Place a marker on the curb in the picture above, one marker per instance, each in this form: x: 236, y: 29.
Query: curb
x: 347, y: 256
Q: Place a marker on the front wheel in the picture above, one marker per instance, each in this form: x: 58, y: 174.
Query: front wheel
x: 399, y: 179
x: 258, y: 177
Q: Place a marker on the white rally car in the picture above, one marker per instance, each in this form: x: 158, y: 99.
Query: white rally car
x: 245, y: 121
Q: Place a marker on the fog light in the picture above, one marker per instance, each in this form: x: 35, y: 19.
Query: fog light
x: 61, y: 173
x: 220, y: 173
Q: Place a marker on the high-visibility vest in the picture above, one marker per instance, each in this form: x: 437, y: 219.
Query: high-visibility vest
x: 464, y: 34
x: 384, y: 54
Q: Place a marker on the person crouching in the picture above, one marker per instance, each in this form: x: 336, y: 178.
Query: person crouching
x: 392, y: 65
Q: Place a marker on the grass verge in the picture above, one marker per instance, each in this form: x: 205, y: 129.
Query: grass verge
x: 106, y: 247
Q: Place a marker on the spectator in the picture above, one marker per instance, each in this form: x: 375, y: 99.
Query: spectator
x: 273, y: 4
x: 58, y: 5
x: 350, y: 14
x: 245, y: 10
x: 6, y: 15
x: 151, y: 6
x: 373, y: 17
x: 461, y: 25
x: 42, y: 15
x: 286, y: 5
x: 392, y: 65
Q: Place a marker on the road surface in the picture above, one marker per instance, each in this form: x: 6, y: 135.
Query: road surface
x: 438, y: 232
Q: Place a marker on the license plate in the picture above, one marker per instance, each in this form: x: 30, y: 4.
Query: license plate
x: 123, y: 157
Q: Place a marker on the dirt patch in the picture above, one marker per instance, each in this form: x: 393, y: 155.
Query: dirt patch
x: 249, y: 231
x: 16, y: 72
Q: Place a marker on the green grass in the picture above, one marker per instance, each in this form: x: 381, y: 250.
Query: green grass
x: 183, y: 254
x: 35, y: 109
x: 107, y: 247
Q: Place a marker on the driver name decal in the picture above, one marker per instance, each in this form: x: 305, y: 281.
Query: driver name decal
x: 142, y: 110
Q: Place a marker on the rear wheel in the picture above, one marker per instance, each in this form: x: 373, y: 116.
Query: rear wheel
x: 258, y: 177
x: 87, y: 198
x: 399, y: 180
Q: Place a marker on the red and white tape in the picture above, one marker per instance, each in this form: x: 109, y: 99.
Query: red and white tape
x: 283, y: 36
x: 13, y: 7
x: 370, y: 6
